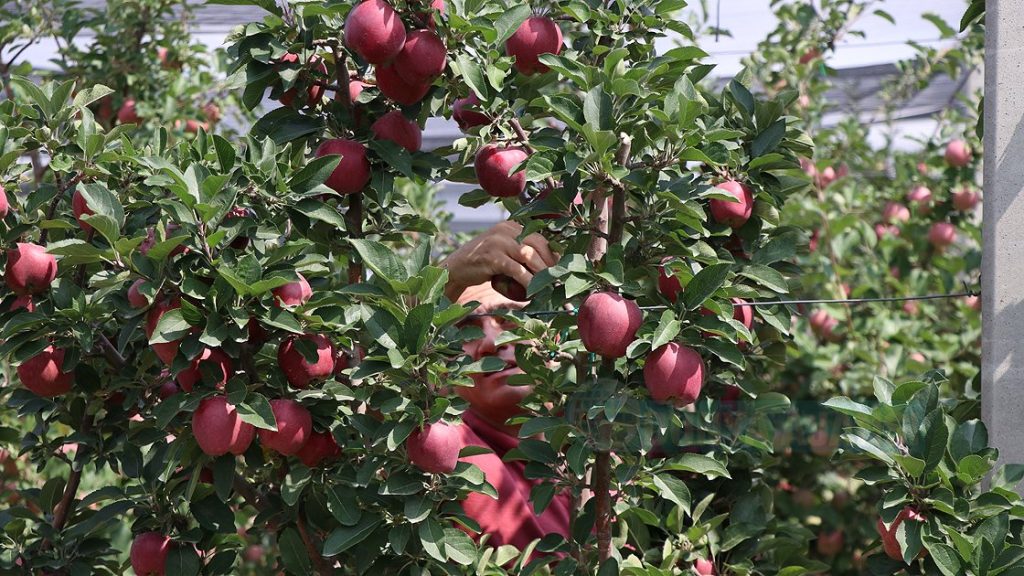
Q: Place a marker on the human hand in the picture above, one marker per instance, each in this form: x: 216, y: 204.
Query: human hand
x: 496, y: 252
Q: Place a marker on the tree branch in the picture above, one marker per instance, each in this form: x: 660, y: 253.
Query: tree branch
x: 354, y: 220
x: 323, y: 565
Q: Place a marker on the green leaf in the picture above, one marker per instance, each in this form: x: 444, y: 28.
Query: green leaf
x: 343, y: 538
x: 673, y: 489
x: 704, y: 284
x: 767, y: 140
x: 171, y: 327
x: 770, y: 278
x: 293, y: 553
x: 668, y: 328
x: 381, y: 259
x: 256, y: 410
x: 91, y: 94
x: 343, y: 505
x: 182, y: 561
x: 313, y: 174
x: 508, y: 22
x: 472, y: 74
x: 698, y: 464
x: 945, y: 558
x: 597, y: 109
x: 432, y: 538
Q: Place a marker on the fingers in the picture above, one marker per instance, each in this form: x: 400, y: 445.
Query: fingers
x: 516, y: 271
x: 540, y: 244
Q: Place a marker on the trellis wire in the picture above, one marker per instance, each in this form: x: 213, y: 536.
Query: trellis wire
x: 773, y: 303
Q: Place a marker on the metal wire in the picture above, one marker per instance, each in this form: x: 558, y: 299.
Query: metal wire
x: 755, y: 303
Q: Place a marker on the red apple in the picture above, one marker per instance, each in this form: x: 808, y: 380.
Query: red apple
x: 374, y: 31
x: 167, y: 389
x: 315, y: 92
x: 830, y: 543
x: 149, y: 553
x: 427, y: 18
x: 43, y: 375
x: 674, y: 373
x: 965, y: 199
x: 321, y: 446
x: 827, y: 177
x: 823, y: 324
x: 355, y: 88
x: 127, y: 113
x: 608, y: 323
x: 394, y: 126
x: 353, y: 172
x: 294, y: 426
x: 422, y: 59
x: 434, y: 448
x: 668, y: 284
x: 81, y: 208
x: 493, y: 165
x: 958, y: 154
x: 5, y: 206
x: 704, y: 567
x: 192, y: 126
x: 509, y: 288
x: 218, y: 429
x: 467, y: 118
x: 537, y: 35
x: 293, y: 293
x: 895, y: 212
x: 973, y: 302
x: 166, y: 351
x: 921, y: 196
x: 211, y: 112
x: 883, y: 230
x: 297, y: 370
x: 23, y: 303
x: 136, y: 298
x: 216, y: 362
x: 888, y: 533
x: 733, y: 214
x: 403, y: 91
x: 30, y: 269
x: 942, y: 234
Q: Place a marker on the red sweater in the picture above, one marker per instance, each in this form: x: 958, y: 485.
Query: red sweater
x: 510, y: 518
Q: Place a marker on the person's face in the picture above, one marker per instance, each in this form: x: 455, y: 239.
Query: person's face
x: 491, y: 396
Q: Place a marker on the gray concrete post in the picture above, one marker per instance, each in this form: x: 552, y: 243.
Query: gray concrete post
x: 1002, y: 267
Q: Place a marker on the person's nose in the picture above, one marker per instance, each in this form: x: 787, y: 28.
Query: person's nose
x: 486, y: 346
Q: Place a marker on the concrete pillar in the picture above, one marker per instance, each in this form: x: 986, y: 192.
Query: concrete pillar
x: 1002, y: 268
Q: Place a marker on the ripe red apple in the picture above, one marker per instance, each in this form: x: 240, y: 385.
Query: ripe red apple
x: 294, y: 426
x: 374, y: 31
x: 467, y: 118
x: 668, y: 284
x: 192, y: 126
x: 704, y: 567
x: 218, y: 429
x: 973, y: 302
x: 315, y: 91
x: 427, y: 18
x: 127, y: 113
x: 965, y: 199
x: 734, y: 214
x: 167, y: 389
x: 674, y: 373
x: 211, y: 112
x: 743, y: 312
x: 42, y: 373
x: 827, y: 177
x: 921, y: 196
x: 293, y: 293
x: 135, y: 298
x: 30, y: 269
x: 883, y: 230
x: 149, y: 553
x: 5, y: 206
x: 823, y: 324
x: 942, y: 234
x: 888, y: 534
x: 353, y: 172
x: 81, y: 208
x: 509, y: 288
x: 216, y: 361
x: 608, y: 323
x: 166, y: 351
x: 895, y: 212
x: 23, y: 303
x: 394, y: 86
x: 394, y: 126
x: 537, y: 35
x: 434, y: 448
x: 958, y: 154
x: 493, y: 165
x: 321, y: 446
x: 422, y: 58
x: 355, y: 88
x: 297, y: 370
x: 830, y: 543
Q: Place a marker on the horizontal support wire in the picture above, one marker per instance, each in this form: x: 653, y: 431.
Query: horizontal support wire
x: 756, y: 303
